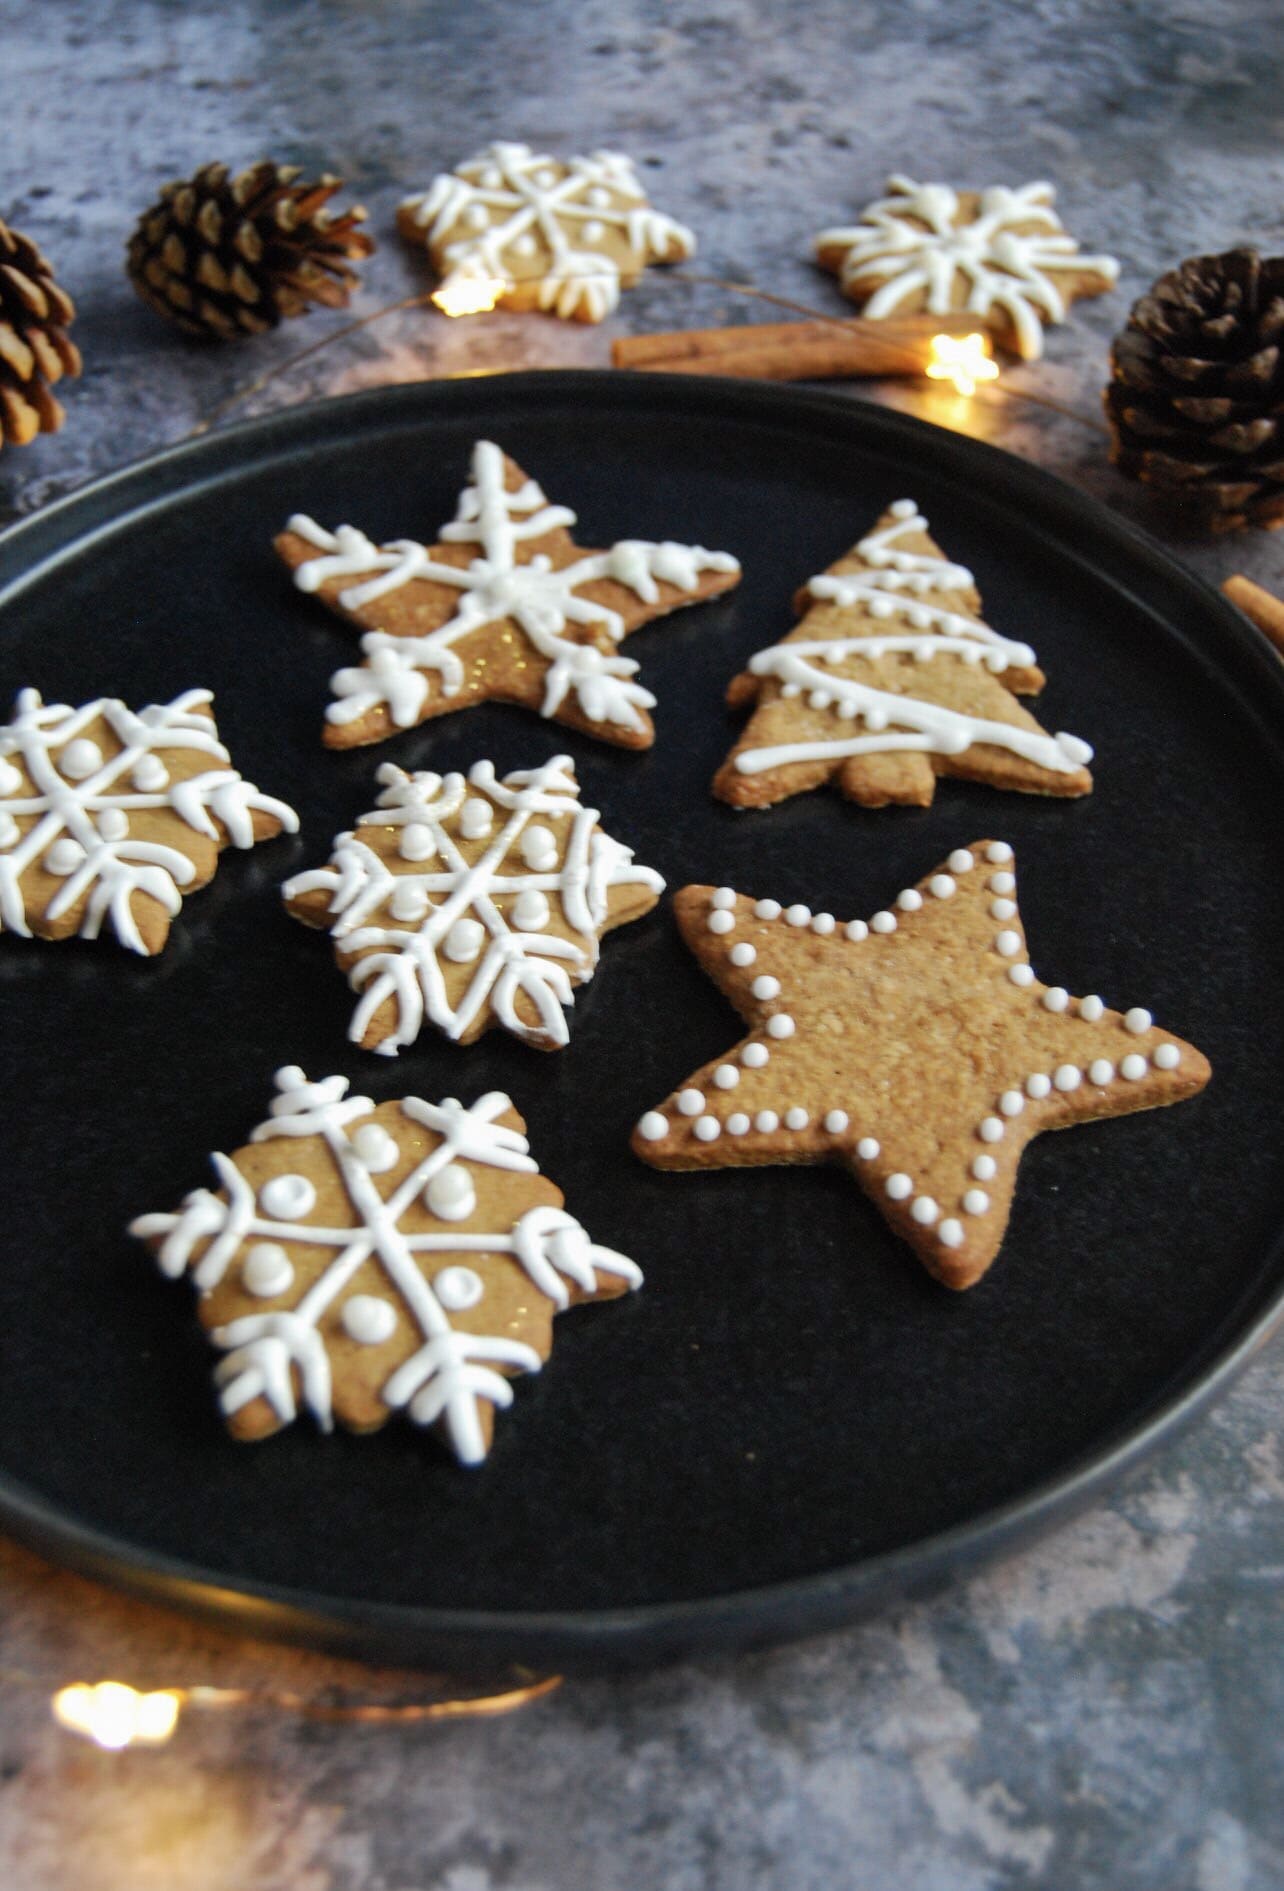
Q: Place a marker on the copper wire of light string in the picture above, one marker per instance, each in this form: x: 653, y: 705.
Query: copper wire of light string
x: 680, y: 276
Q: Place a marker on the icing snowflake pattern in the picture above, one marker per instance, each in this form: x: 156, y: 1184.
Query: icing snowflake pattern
x: 412, y: 919
x: 67, y: 809
x: 442, y: 1372
x: 919, y: 247
x: 512, y: 216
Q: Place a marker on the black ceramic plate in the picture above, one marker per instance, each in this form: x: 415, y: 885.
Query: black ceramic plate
x: 791, y: 1420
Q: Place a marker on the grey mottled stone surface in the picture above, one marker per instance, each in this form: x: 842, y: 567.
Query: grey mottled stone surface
x: 1103, y: 1711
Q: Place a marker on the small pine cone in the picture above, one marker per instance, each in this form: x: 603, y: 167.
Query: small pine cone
x: 226, y: 257
x: 1196, y: 403
x: 35, y: 349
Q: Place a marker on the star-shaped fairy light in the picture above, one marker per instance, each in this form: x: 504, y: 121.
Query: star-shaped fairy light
x: 364, y: 1260
x: 109, y: 815
x: 918, y: 1049
x: 465, y: 904
x: 506, y: 606
x: 891, y: 679
x: 519, y: 227
x: 1000, y: 254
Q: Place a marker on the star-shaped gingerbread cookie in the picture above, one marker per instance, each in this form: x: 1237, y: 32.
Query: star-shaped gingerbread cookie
x: 918, y: 1049
x: 506, y: 606
x: 891, y: 679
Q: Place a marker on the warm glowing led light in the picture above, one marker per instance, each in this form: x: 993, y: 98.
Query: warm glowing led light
x: 116, y: 1715
x: 963, y: 359
x: 468, y: 295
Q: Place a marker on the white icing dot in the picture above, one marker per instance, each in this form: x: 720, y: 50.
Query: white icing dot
x: 1137, y: 1020
x: 738, y: 1124
x: 791, y: 689
x: 754, y: 1056
x: 942, y: 885
x: 652, y: 1127
x: 1002, y: 909
x: 910, y: 900
x: 836, y: 1122
x: 984, y: 1168
x: 767, y: 909
x: 476, y: 818
x: 368, y: 1320
x: 9, y: 829
x: 998, y: 852
x: 782, y: 1025
x: 990, y: 1130
x: 416, y: 842
x: 1056, y: 998
x: 287, y: 1197
x: 721, y: 922
x: 458, y: 1288
x: 450, y: 1194
x: 1003, y: 883
x: 150, y: 774
x: 899, y: 1186
x: 1011, y: 1103
x: 598, y: 197
x: 707, y: 1128
x: 961, y: 861
x: 267, y: 1270
x: 64, y: 856
x: 593, y: 231
x: 1039, y: 1085
x: 824, y: 924
x: 464, y: 941
x: 976, y: 1201
x: 1100, y: 1070
x: 1133, y: 1067
x: 408, y: 902
x: 726, y: 1076
x: 766, y: 1121
x: 1021, y: 974
x: 819, y: 698
x: 1167, y: 1057
x: 797, y: 915
x: 523, y: 245
x: 1008, y: 943
x: 867, y: 1148
x: 113, y: 824
x: 883, y: 922
x: 10, y: 777
x: 951, y: 1232
x: 765, y: 986
x: 856, y: 930
x: 924, y: 1210
x: 743, y: 953
x: 690, y: 1102
x: 724, y: 899
x: 1091, y: 1008
x: 80, y: 759
x: 530, y: 910
x: 1067, y: 1077
x: 375, y: 1148
x: 796, y: 1118
x: 538, y: 848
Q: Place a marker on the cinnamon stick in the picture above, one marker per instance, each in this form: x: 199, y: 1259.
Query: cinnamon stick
x: 1260, y: 606
x: 793, y: 351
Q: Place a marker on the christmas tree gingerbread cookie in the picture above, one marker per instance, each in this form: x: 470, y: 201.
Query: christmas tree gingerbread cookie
x: 519, y: 227
x: 466, y: 904
x: 891, y: 679
x: 109, y: 815
x: 506, y: 607
x: 362, y: 1261
x: 1000, y: 254
x: 917, y: 1049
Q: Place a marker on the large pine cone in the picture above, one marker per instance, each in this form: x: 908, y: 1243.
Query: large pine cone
x: 226, y: 257
x: 35, y: 349
x: 1196, y: 405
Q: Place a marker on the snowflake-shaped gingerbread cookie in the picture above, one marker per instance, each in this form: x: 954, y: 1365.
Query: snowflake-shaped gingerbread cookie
x: 111, y: 814
x: 541, y: 233
x: 366, y: 1260
x: 1000, y: 254
x: 466, y: 904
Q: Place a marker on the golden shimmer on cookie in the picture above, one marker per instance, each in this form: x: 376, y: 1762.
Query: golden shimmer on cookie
x: 1000, y: 254
x: 109, y: 815
x: 362, y: 1261
x: 505, y: 607
x: 892, y: 678
x: 470, y: 903
x: 918, y: 1049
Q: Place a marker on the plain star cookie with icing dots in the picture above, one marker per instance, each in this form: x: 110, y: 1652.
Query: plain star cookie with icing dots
x: 109, y: 815
x: 506, y: 607
x: 892, y: 678
x: 534, y: 232
x: 1000, y: 254
x: 362, y: 1261
x: 918, y: 1049
x: 471, y: 903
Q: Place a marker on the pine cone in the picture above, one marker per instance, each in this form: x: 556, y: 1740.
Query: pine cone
x: 226, y: 257
x: 35, y: 349
x: 1196, y: 405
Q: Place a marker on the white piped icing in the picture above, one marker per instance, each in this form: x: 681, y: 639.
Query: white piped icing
x: 1166, y: 1057
x: 653, y: 1126
x: 1137, y: 1020
x: 899, y: 1186
x: 691, y: 1102
x: 984, y: 1168
x: 742, y: 953
x: 450, y: 1194
x: 267, y: 1270
x: 1133, y: 1067
x: 782, y: 1025
x: 720, y: 922
x: 369, y: 1320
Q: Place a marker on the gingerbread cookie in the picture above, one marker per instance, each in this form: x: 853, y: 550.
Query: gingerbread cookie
x: 891, y: 679
x: 1000, y: 254
x: 533, y: 232
x: 368, y: 1260
x: 918, y: 1049
x: 111, y: 814
x: 467, y: 904
x: 507, y: 606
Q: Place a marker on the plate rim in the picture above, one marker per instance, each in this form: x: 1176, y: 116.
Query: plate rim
x: 597, y: 1640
